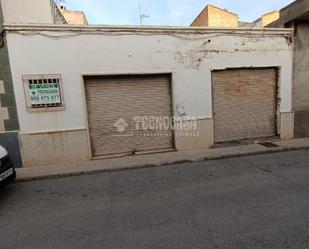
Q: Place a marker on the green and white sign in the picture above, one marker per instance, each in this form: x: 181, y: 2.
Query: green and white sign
x: 41, y: 94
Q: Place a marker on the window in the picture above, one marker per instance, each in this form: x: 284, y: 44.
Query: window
x: 43, y: 92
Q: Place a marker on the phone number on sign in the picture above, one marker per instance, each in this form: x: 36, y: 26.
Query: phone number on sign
x: 45, y: 98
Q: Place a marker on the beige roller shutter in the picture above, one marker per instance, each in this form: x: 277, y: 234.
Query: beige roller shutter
x: 112, y: 104
x: 244, y: 103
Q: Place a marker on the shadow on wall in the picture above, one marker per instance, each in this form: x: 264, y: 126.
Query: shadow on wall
x: 11, y: 142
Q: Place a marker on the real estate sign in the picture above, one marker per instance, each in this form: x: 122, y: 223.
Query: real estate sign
x: 47, y: 93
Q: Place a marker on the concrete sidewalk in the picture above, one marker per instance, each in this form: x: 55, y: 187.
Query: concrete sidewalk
x: 153, y: 160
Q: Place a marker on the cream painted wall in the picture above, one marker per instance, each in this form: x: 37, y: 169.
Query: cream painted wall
x: 189, y: 54
x: 27, y: 11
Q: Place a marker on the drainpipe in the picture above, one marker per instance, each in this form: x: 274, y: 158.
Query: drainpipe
x: 2, y: 34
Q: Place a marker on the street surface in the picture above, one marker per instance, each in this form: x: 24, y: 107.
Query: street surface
x: 256, y: 202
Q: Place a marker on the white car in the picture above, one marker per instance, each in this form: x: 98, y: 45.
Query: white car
x: 7, y: 171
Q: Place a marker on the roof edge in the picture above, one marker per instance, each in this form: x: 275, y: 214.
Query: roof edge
x: 198, y: 16
x: 128, y: 28
x: 226, y: 10
x: 298, y: 11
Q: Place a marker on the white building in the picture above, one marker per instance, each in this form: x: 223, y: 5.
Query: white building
x: 31, y: 11
x: 236, y: 83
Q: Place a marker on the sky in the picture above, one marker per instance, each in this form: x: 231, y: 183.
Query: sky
x: 167, y: 12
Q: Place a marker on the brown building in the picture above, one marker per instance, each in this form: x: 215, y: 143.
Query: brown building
x: 212, y: 16
x: 296, y: 15
x: 266, y: 19
x: 73, y: 17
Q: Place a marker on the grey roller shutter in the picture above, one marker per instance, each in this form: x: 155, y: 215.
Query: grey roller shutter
x: 244, y: 103
x: 115, y: 101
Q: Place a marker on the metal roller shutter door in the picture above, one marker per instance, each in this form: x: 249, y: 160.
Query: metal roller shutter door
x: 122, y: 98
x: 244, y: 103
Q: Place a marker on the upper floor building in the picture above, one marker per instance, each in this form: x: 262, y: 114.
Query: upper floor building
x: 212, y: 16
x: 73, y: 17
x: 31, y: 12
x: 40, y: 12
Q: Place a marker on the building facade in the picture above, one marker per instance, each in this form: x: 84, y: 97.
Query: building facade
x: 266, y: 19
x: 75, y: 93
x: 73, y: 17
x: 106, y: 95
x: 31, y: 11
x: 212, y: 16
x: 296, y: 15
x: 15, y: 11
x: 9, y: 125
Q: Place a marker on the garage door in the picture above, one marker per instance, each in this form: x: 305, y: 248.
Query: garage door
x: 115, y: 107
x: 244, y: 103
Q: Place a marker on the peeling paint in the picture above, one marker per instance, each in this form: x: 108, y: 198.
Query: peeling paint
x: 188, y: 53
x: 180, y: 109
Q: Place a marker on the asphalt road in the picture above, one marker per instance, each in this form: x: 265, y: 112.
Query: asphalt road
x: 256, y: 202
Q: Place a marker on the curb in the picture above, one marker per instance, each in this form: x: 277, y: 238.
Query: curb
x: 142, y: 166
